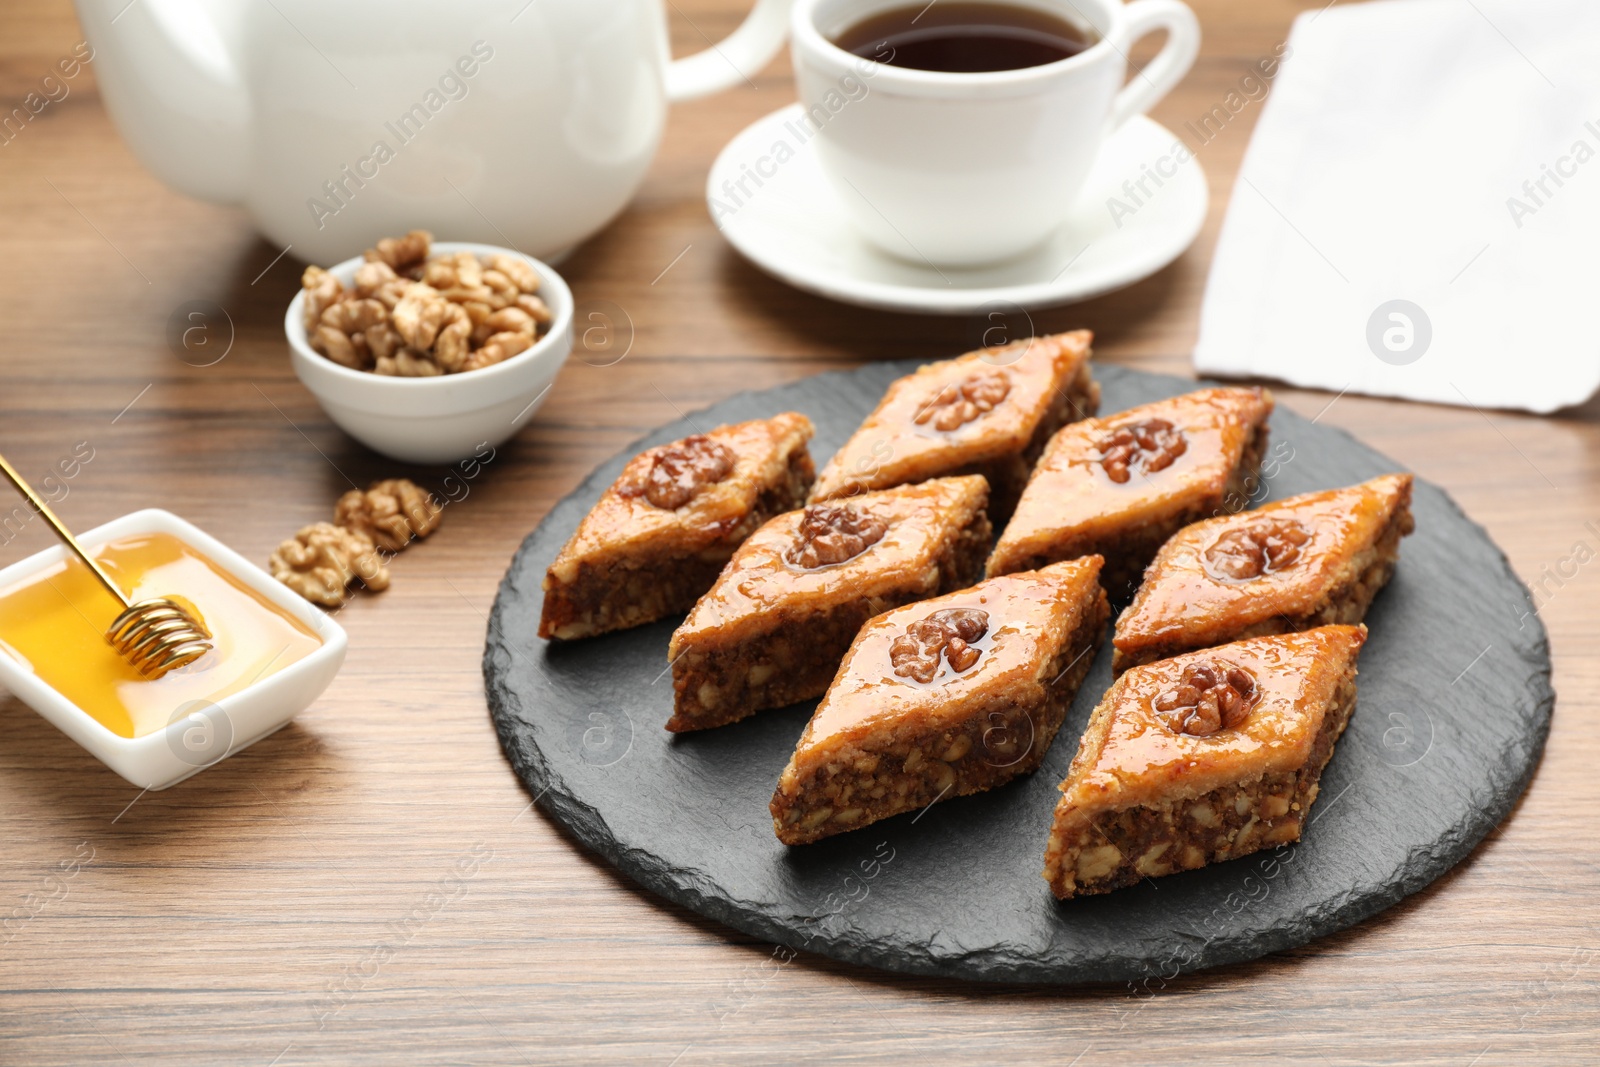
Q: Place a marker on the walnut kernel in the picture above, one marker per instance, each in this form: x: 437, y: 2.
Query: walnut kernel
x: 401, y: 253
x: 391, y: 513
x: 383, y: 341
x: 1210, y: 696
x: 1251, y: 551
x: 408, y: 363
x: 322, y: 292
x: 341, y: 348
x: 497, y: 349
x: 831, y: 534
x: 321, y: 561
x: 537, y: 309
x: 681, y: 470
x: 373, y: 276
x: 355, y: 316
x: 959, y: 403
x: 421, y: 314
x: 506, y: 320
x: 524, y: 277
x: 950, y: 632
x: 1148, y: 446
x: 461, y: 270
x: 453, y: 344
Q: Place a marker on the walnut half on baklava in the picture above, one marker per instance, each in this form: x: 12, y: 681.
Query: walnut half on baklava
x: 1307, y: 561
x: 988, y: 412
x: 1202, y: 758
x: 1120, y: 485
x: 658, y: 537
x: 943, y: 698
x: 784, y: 611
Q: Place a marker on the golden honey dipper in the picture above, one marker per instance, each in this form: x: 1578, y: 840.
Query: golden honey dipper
x: 155, y: 635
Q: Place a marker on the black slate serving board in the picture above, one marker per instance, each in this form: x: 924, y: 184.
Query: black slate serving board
x: 1455, y: 704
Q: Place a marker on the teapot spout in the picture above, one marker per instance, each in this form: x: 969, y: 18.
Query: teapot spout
x: 170, y: 81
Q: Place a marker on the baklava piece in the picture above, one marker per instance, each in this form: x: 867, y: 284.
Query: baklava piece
x: 1303, y: 562
x: 784, y: 611
x: 1202, y: 758
x: 944, y: 698
x: 989, y: 412
x: 658, y: 538
x: 1120, y: 486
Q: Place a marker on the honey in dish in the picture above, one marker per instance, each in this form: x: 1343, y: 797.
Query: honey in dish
x: 54, y: 623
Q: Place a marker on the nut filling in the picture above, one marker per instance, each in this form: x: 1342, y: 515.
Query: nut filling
x: 960, y: 403
x: 950, y: 632
x: 830, y: 535
x: 1146, y: 447
x: 684, y: 469
x: 1208, y: 697
x: 1265, y: 548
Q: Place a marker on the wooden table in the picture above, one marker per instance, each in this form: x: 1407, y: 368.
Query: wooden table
x: 295, y: 903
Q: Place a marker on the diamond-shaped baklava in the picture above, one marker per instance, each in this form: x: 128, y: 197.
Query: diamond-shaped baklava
x: 1121, y: 485
x: 784, y: 611
x: 943, y: 698
x: 1307, y: 561
x: 1202, y: 758
x: 989, y: 412
x: 660, y: 535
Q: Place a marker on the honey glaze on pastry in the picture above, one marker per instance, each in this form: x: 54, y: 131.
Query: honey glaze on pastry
x: 1202, y: 758
x: 1120, y: 485
x: 1292, y: 565
x: 944, y: 698
x: 658, y: 537
x: 782, y: 614
x: 988, y: 412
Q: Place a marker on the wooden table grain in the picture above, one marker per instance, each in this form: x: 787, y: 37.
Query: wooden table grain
x: 371, y: 886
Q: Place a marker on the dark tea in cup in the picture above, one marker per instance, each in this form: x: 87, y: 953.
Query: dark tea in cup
x: 965, y: 37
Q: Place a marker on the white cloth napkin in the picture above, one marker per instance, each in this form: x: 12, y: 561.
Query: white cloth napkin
x: 1406, y: 153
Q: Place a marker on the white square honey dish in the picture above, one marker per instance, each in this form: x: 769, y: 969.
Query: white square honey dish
x: 199, y: 733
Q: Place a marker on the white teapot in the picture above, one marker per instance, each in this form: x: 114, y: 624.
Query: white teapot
x: 527, y: 123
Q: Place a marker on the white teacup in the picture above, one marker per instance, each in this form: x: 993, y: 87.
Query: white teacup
x: 966, y: 169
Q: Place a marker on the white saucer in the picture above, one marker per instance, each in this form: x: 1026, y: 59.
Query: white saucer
x: 791, y: 226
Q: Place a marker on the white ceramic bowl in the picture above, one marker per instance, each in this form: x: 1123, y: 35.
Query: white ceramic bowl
x: 443, y: 419
x: 189, y: 745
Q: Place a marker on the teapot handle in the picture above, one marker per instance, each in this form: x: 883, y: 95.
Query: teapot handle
x: 744, y: 52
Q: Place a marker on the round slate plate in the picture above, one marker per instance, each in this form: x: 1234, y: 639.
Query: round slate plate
x: 1455, y: 705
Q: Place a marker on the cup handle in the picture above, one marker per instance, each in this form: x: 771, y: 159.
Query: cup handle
x: 1170, y: 64
x: 744, y: 52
